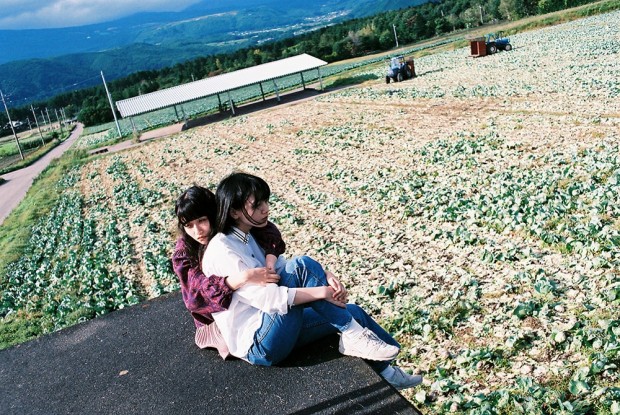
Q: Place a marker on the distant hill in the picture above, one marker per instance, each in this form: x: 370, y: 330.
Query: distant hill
x: 38, y: 64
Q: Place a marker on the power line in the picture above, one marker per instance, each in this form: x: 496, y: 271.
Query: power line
x: 53, y: 92
x: 78, y: 83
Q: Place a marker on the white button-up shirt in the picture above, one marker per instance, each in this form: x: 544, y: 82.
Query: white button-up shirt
x: 228, y: 255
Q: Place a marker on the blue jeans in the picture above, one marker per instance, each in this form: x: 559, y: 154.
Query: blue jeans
x: 280, y: 334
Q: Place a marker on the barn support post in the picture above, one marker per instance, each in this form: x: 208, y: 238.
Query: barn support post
x: 261, y: 90
x: 219, y: 103
x: 303, y: 83
x: 176, y: 113
x: 277, y: 90
x: 133, y: 126
x: 320, y: 78
x: 232, y: 104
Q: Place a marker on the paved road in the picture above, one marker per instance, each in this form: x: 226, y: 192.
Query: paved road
x: 19, y: 181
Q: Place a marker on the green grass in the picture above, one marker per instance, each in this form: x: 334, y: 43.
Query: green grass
x: 15, y: 329
x: 32, y: 157
x: 564, y: 16
x: 350, y: 80
x: 19, y: 328
x: 8, y: 147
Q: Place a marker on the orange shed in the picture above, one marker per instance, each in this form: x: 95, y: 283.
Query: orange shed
x: 478, y: 47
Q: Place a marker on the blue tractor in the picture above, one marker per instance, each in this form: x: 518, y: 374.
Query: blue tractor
x: 399, y: 69
x: 497, y: 41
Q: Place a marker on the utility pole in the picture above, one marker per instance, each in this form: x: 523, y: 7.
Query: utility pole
x: 37, y: 122
x: 118, y: 127
x: 43, y: 116
x: 48, y: 118
x: 395, y: 37
x: 19, y: 147
x: 481, y: 21
x: 59, y: 123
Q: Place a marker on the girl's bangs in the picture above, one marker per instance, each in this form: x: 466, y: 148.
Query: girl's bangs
x: 189, y: 212
x: 260, y: 190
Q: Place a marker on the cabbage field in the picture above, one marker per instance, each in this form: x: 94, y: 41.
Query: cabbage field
x: 474, y: 210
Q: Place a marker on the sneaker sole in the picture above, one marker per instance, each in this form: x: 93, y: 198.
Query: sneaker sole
x: 367, y: 358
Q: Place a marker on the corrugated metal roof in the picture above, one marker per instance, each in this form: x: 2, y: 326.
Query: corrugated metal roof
x: 217, y: 84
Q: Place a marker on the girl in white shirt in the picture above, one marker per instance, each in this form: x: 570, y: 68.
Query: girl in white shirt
x: 263, y: 324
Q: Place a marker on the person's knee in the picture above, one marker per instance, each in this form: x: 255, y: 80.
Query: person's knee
x: 265, y: 356
x: 265, y: 360
x: 292, y: 265
x: 304, y: 261
x: 304, y: 264
x: 276, y: 338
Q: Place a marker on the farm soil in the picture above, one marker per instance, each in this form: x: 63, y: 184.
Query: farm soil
x: 319, y: 155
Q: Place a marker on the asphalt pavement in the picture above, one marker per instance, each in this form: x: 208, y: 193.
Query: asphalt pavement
x: 142, y: 360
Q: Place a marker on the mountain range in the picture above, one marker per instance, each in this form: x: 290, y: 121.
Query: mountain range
x: 40, y: 63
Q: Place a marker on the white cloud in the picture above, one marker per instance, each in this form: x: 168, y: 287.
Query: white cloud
x: 38, y: 14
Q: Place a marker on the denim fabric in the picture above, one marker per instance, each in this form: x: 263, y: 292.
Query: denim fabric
x: 276, y: 337
x: 280, y: 334
x: 304, y: 271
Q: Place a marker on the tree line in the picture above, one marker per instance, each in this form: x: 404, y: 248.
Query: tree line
x: 346, y: 40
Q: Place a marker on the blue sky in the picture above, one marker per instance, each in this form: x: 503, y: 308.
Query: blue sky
x: 41, y: 14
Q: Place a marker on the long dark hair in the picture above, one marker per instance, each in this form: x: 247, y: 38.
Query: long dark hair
x: 195, y: 203
x: 232, y: 193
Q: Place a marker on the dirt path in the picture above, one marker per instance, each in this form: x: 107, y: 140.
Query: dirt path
x: 19, y: 181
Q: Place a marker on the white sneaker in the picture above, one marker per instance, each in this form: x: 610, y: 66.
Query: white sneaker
x: 402, y: 380
x: 366, y: 345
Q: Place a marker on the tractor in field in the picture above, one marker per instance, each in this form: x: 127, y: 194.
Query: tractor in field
x: 497, y: 41
x: 399, y: 69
